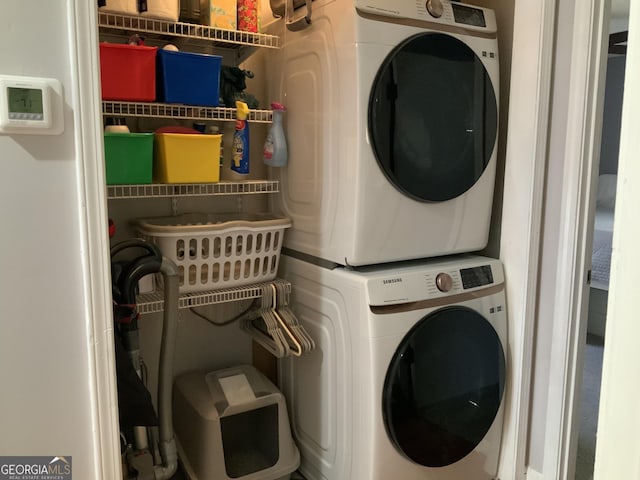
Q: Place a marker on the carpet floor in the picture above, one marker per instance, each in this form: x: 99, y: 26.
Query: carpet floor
x: 592, y: 376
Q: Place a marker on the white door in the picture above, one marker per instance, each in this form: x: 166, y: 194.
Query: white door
x: 618, y: 443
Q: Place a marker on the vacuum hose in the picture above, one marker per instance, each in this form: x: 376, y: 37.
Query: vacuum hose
x: 167, y: 443
x: 126, y: 284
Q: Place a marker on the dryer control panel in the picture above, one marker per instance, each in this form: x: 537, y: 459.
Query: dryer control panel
x: 416, y: 284
x: 443, y: 12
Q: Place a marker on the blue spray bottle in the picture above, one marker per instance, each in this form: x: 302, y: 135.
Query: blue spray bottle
x: 275, y: 145
x: 240, y: 147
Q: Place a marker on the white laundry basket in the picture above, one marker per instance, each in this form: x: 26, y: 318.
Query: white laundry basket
x: 214, y: 251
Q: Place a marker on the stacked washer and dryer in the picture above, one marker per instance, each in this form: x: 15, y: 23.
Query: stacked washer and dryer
x: 392, y: 135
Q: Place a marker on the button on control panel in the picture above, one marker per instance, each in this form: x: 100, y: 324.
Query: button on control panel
x: 435, y: 8
x: 444, y: 282
x: 26, y: 116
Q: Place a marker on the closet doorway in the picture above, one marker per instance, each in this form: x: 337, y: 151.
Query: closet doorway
x: 602, y: 236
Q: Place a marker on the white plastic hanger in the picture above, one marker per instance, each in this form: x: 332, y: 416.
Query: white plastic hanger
x: 292, y: 323
x: 275, y: 327
x: 265, y: 329
x: 292, y: 340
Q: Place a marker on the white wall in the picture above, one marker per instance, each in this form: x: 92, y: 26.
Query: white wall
x: 47, y: 342
x: 504, y: 17
x: 612, y: 115
x: 619, y: 15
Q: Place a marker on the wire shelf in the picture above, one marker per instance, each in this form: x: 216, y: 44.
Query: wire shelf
x: 217, y: 36
x: 192, y: 189
x: 167, y: 110
x: 154, y: 302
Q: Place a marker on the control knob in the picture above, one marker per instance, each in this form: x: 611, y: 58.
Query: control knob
x: 444, y: 282
x: 435, y: 8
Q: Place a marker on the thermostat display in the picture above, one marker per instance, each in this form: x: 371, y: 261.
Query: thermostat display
x: 25, y: 103
x: 30, y: 105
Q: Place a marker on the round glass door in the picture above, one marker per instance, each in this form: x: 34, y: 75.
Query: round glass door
x: 444, y: 386
x: 433, y: 117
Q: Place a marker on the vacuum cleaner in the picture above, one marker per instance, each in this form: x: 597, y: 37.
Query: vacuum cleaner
x: 137, y: 413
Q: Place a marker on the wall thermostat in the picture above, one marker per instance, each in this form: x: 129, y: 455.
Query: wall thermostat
x: 31, y: 105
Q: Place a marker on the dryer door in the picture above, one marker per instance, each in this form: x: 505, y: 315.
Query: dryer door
x: 444, y: 387
x: 433, y: 117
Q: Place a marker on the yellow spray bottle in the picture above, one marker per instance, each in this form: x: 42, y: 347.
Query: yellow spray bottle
x: 240, y: 147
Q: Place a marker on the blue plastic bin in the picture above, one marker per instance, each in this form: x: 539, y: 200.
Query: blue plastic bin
x: 188, y: 78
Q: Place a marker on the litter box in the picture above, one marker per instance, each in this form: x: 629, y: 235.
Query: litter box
x: 232, y: 424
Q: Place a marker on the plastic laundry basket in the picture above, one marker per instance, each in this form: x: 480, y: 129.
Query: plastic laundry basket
x: 214, y: 251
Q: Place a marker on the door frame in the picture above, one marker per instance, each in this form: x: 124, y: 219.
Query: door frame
x: 520, y: 240
x: 581, y: 159
x: 524, y: 192
x: 522, y: 213
x: 83, y: 38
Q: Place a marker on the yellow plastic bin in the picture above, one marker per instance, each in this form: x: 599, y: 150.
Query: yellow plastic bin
x: 186, y: 158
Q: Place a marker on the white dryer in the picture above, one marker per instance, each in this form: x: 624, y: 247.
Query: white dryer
x: 392, y: 119
x: 408, y: 376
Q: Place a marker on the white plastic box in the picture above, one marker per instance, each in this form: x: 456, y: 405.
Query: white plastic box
x: 233, y: 424
x: 168, y: 10
x: 214, y: 251
x: 123, y: 7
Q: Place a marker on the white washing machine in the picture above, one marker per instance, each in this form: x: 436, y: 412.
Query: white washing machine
x: 391, y: 124
x: 407, y: 379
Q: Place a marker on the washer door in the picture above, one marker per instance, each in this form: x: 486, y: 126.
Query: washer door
x: 444, y: 387
x: 433, y: 117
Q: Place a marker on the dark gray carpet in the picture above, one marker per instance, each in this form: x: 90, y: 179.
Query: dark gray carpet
x: 592, y: 376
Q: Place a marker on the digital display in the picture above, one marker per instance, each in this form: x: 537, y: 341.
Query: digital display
x: 25, y: 100
x: 476, y: 277
x: 468, y: 15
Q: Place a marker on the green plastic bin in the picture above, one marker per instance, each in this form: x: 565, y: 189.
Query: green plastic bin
x: 128, y: 158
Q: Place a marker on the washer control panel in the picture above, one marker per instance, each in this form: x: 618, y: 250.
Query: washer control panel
x: 414, y: 284
x: 476, y: 276
x: 468, y: 15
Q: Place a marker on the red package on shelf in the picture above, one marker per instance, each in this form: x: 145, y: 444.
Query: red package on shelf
x: 248, y: 15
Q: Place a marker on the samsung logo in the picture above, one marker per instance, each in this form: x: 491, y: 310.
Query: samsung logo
x: 391, y: 280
